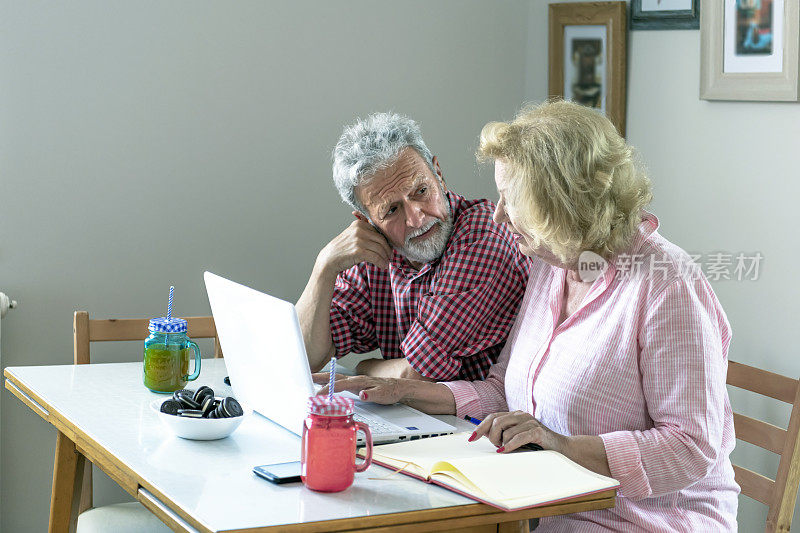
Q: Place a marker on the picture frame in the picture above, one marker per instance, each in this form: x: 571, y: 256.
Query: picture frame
x: 749, y: 50
x: 665, y: 14
x: 587, y: 56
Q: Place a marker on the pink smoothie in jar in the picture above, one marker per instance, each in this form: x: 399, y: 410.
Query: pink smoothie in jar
x: 328, y: 449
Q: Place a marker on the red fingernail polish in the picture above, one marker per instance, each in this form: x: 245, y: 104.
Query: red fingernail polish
x: 472, y: 437
x: 501, y: 449
x: 365, y: 395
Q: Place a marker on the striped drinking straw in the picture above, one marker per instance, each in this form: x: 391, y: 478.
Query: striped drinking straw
x: 169, y: 313
x: 332, y: 379
x: 169, y: 306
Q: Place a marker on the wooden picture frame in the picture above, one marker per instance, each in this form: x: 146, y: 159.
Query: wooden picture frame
x: 735, y: 65
x: 587, y: 56
x: 674, y: 15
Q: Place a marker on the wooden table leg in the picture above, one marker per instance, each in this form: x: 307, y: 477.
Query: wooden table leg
x: 86, y: 490
x: 519, y: 526
x: 67, y: 480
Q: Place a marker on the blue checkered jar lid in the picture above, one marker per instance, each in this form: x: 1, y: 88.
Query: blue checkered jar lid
x: 167, y: 325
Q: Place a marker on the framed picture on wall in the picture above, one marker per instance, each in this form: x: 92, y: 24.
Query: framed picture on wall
x: 749, y: 50
x: 587, y: 53
x: 665, y: 14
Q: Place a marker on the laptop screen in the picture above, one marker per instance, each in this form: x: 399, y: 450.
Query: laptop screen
x: 264, y: 351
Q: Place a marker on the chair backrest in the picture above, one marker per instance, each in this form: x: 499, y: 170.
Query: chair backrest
x: 780, y: 494
x: 85, y: 331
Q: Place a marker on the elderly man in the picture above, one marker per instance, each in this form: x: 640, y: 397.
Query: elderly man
x: 422, y: 274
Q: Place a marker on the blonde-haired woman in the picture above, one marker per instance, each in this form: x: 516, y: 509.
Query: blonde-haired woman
x: 622, y: 369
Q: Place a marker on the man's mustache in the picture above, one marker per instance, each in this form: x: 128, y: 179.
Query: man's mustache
x: 422, y: 230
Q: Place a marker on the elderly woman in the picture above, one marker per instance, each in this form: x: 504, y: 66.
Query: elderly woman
x: 620, y: 366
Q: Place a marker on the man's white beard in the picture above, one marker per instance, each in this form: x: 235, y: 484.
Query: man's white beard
x: 431, y: 248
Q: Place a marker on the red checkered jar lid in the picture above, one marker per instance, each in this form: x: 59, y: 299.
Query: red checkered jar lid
x: 320, y: 405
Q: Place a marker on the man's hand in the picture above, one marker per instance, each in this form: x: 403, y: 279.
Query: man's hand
x: 389, y: 368
x: 359, y: 242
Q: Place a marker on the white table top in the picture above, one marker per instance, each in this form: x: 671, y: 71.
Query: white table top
x: 213, y: 480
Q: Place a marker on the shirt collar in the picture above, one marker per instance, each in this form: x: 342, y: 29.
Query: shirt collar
x: 648, y: 225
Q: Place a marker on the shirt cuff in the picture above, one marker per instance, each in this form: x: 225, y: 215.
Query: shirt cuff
x: 468, y: 403
x: 625, y: 464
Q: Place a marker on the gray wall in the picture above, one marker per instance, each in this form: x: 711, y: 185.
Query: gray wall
x: 143, y: 142
x: 725, y: 178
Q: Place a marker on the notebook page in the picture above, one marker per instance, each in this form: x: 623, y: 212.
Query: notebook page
x: 426, y: 452
x: 531, y: 476
x: 448, y: 474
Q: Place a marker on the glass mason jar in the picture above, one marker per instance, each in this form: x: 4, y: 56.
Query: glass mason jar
x: 166, y: 356
x: 328, y: 448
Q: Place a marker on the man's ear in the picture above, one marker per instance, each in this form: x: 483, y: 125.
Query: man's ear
x: 356, y: 213
x: 438, y: 170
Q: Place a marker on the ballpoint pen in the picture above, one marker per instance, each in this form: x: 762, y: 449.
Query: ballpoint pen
x: 530, y: 446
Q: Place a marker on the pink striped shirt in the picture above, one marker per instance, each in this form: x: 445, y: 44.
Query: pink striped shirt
x: 642, y: 364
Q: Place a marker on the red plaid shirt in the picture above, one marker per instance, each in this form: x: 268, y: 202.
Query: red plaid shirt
x: 450, y: 319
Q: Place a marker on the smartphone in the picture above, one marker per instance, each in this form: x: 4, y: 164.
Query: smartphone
x: 279, y: 472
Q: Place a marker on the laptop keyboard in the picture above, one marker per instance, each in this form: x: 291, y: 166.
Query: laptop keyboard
x: 375, y: 426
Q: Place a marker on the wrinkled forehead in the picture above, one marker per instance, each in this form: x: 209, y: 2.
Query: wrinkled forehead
x: 401, y: 177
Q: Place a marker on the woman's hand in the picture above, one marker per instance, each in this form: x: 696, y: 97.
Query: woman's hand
x: 376, y: 390
x: 427, y: 396
x: 509, y: 431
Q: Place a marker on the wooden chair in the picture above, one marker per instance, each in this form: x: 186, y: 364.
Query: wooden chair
x: 780, y: 494
x: 87, y: 331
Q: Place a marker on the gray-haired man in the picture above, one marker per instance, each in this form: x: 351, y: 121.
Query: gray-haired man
x: 422, y: 274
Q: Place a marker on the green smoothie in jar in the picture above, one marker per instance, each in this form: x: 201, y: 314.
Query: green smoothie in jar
x: 166, y: 356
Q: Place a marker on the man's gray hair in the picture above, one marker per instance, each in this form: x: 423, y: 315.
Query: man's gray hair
x: 370, y: 145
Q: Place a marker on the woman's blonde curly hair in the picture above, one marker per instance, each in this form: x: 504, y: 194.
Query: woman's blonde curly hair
x: 574, y: 184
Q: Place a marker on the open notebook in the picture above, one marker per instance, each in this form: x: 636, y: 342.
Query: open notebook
x: 474, y: 469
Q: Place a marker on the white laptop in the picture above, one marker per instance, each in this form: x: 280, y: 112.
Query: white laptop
x: 266, y: 361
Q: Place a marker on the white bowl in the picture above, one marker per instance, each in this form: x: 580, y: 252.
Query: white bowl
x: 198, y: 428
